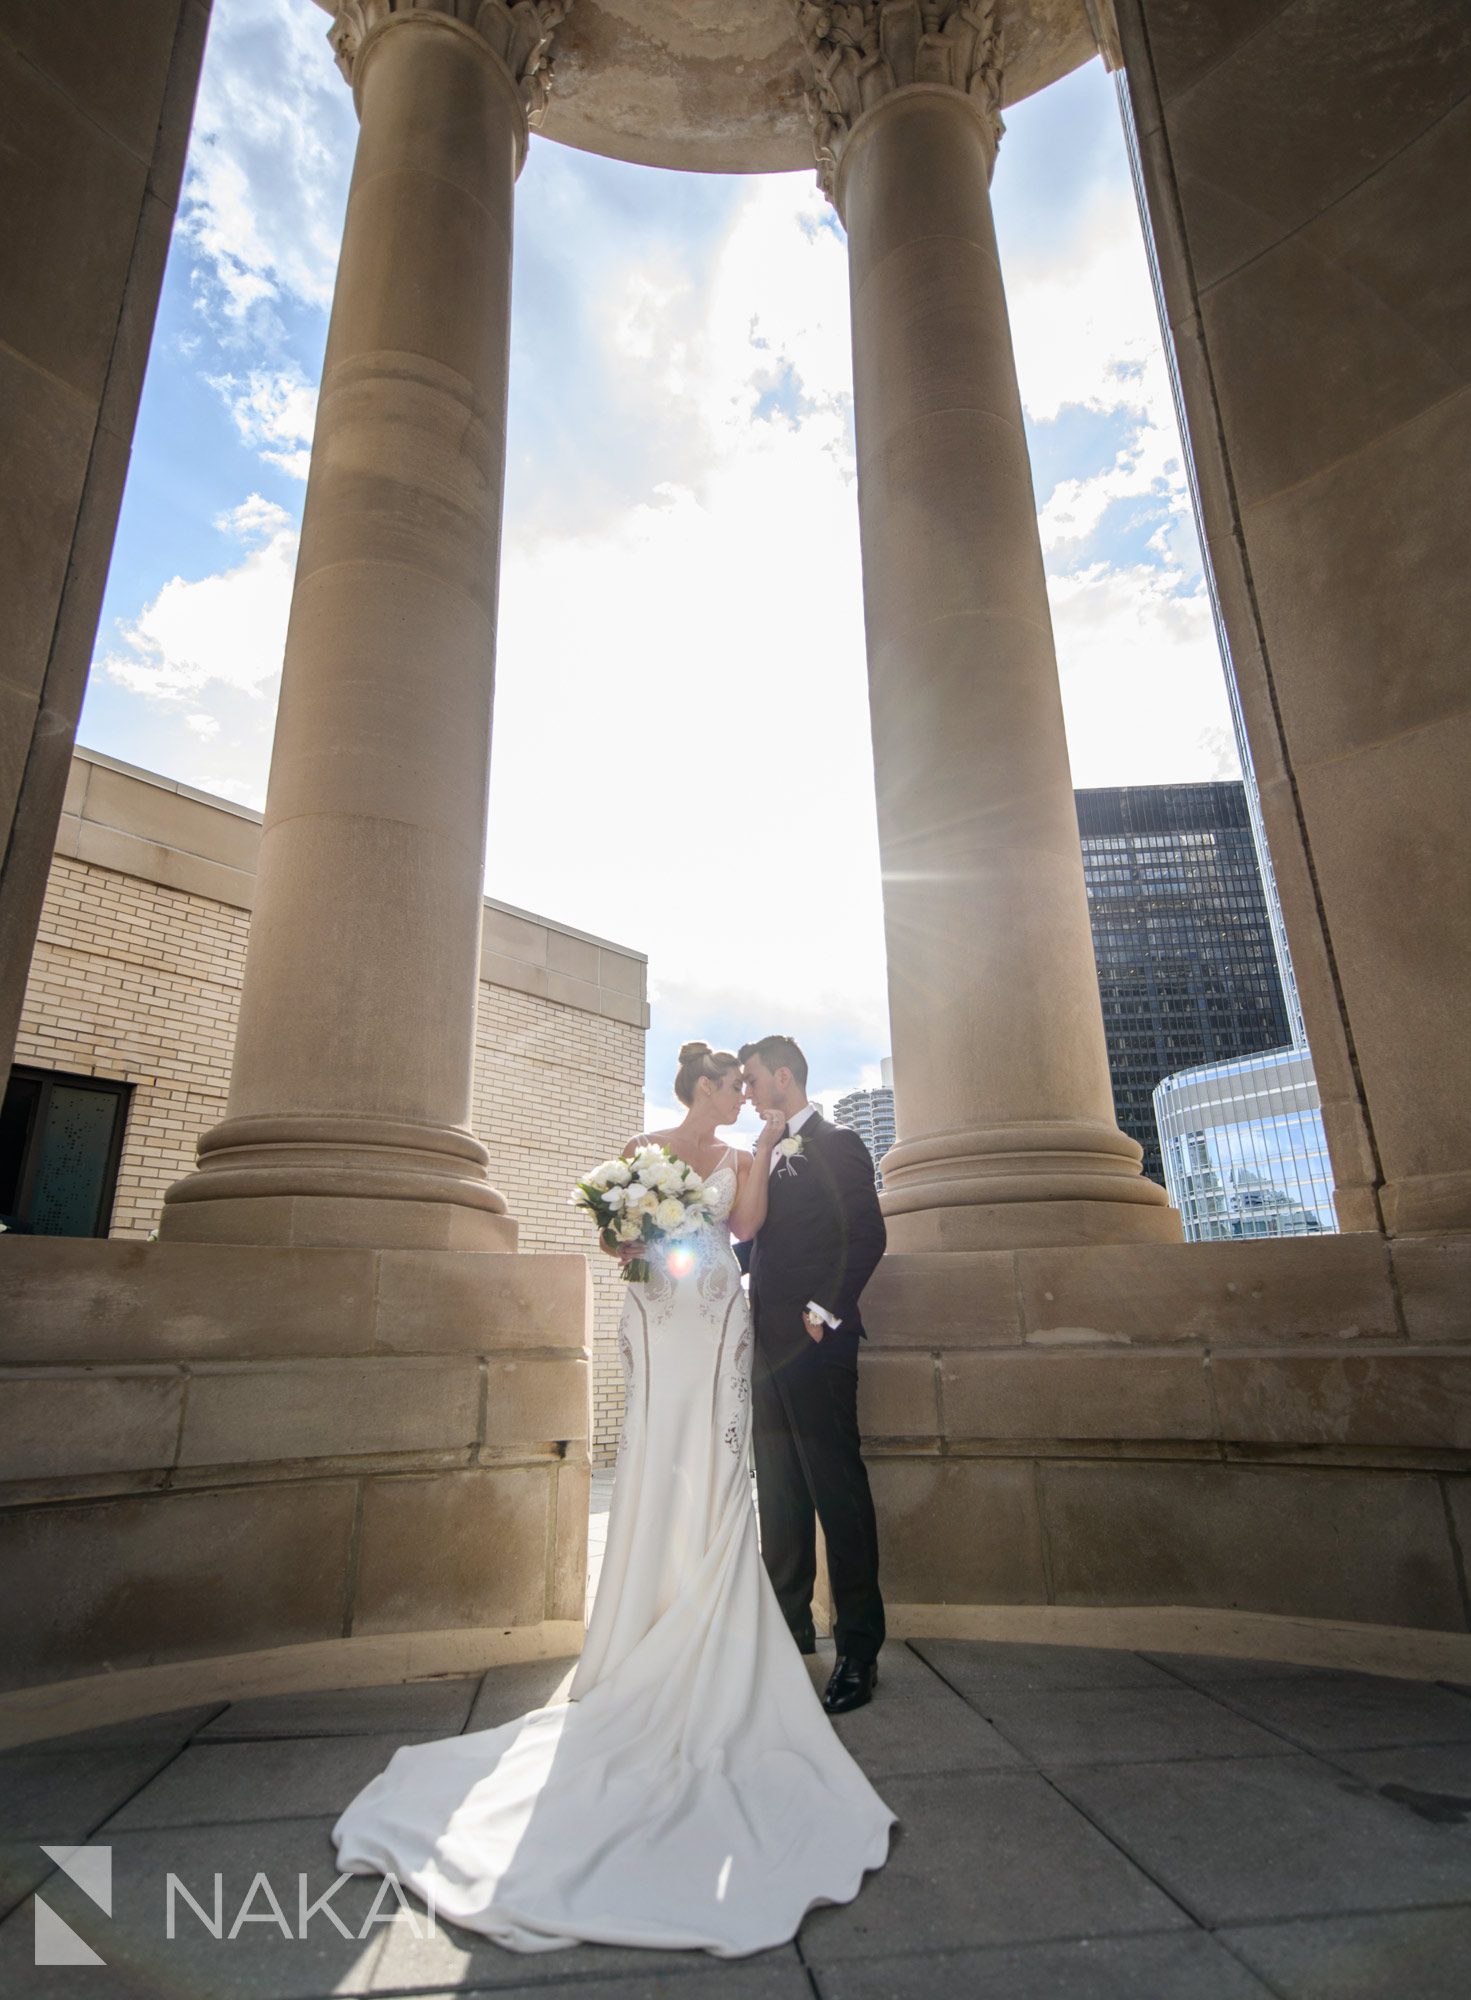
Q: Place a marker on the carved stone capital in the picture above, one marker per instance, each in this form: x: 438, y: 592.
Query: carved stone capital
x: 861, y: 51
x: 520, y: 32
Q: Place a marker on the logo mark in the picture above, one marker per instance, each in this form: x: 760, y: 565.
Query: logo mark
x: 91, y: 1869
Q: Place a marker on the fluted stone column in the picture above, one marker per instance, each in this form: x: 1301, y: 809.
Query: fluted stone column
x: 349, y: 1108
x: 1006, y: 1128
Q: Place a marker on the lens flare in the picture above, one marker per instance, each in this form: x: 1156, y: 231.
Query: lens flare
x: 681, y: 1260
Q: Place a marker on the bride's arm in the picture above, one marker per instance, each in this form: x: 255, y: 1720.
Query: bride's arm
x: 748, y: 1210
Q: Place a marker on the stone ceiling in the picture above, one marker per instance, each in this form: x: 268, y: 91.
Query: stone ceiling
x: 715, y: 85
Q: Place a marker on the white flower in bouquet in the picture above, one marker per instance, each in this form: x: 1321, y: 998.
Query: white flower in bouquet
x: 650, y: 1199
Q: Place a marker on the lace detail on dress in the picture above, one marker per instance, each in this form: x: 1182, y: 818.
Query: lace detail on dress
x: 738, y: 1383
x: 625, y: 1354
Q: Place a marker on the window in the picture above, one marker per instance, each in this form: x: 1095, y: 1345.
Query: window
x: 60, y: 1140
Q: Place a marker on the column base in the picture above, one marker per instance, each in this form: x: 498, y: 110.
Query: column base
x: 335, y: 1182
x: 1033, y: 1225
x: 338, y: 1222
x: 1024, y: 1186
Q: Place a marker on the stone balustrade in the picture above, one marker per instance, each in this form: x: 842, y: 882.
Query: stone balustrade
x: 1281, y: 1427
x: 269, y: 1461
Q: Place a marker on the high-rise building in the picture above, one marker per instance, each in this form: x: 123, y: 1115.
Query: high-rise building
x: 1187, y: 966
x: 870, y: 1113
x: 1244, y: 1150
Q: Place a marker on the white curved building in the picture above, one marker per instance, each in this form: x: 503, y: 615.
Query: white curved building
x: 1244, y: 1149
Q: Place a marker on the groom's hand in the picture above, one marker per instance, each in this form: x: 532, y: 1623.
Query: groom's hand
x: 813, y: 1325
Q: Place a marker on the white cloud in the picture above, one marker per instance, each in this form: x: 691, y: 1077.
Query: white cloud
x: 1147, y: 465
x: 1141, y: 679
x: 1083, y: 317
x: 275, y: 412
x: 1143, y: 687
x: 202, y: 725
x: 268, y: 161
x: 706, y: 649
x: 226, y: 630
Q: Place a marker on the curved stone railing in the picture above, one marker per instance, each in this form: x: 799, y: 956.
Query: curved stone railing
x: 1276, y: 1430
x: 247, y: 1469
x: 241, y: 1470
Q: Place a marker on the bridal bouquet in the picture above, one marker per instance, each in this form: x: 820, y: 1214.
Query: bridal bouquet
x: 651, y: 1198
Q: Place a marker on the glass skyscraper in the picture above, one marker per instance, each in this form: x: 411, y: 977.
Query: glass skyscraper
x: 1244, y: 1152
x: 1187, y: 967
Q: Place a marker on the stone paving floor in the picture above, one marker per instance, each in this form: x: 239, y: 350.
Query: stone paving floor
x: 1075, y: 1825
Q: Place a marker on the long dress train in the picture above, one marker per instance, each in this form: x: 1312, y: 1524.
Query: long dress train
x: 690, y: 1792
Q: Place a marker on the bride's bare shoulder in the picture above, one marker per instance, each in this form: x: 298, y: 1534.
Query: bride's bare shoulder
x: 644, y: 1139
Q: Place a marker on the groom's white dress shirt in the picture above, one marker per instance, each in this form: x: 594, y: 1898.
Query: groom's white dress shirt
x: 794, y: 1126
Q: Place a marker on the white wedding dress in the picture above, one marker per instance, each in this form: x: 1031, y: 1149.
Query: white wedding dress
x: 691, y: 1793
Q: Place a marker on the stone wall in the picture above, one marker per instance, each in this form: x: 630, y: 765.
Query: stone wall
x: 98, y: 99
x: 1298, y: 160
x: 1276, y: 1428
x: 262, y: 1467
x: 136, y: 977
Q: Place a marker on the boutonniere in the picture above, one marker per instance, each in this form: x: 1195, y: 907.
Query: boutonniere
x: 789, y: 1149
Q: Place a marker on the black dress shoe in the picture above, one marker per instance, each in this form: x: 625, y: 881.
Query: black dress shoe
x: 852, y: 1685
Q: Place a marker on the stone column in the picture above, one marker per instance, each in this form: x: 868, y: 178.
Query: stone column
x: 1006, y: 1129
x: 349, y: 1108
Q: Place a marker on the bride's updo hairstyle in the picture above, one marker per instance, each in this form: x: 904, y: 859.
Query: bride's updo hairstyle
x: 697, y: 1059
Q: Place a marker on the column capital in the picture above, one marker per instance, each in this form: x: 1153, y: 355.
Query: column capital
x: 860, y: 52
x: 519, y: 32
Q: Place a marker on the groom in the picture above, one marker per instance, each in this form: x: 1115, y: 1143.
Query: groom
x: 817, y: 1249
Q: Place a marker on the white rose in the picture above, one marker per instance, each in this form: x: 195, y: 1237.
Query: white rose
x: 628, y: 1232
x: 618, y: 1172
x: 639, y: 1200
x: 670, y: 1179
x: 669, y: 1214
x: 787, y: 1147
x: 689, y: 1222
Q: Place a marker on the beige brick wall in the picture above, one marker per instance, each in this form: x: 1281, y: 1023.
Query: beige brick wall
x: 138, y: 980
x: 560, y: 1090
x: 139, y: 983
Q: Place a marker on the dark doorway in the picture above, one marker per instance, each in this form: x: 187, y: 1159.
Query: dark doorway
x: 60, y: 1141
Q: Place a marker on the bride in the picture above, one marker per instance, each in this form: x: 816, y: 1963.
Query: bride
x: 690, y: 1793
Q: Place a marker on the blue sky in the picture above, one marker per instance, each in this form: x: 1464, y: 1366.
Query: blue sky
x: 681, y: 628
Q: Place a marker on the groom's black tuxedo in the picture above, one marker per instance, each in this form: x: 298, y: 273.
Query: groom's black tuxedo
x: 823, y: 1236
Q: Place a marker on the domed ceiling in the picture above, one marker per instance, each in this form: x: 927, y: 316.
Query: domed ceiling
x: 716, y: 85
